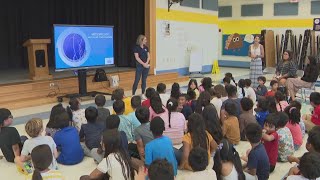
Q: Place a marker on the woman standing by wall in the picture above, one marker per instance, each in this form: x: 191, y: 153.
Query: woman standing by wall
x: 256, y: 52
x: 142, y: 57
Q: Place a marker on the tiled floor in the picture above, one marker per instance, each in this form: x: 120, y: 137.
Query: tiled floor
x: 8, y: 170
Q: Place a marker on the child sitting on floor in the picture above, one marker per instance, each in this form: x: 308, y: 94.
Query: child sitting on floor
x: 193, y: 86
x: 116, y: 162
x: 226, y: 81
x: 286, y: 147
x: 274, y: 88
x: 312, y: 145
x: 90, y: 134
x: 135, y: 103
x: 10, y: 142
x: 270, y: 139
x: 261, y: 90
x: 246, y: 116
x: 125, y: 123
x: 221, y: 90
x: 51, y: 127
x: 298, y: 105
x: 232, y: 80
x: 161, y: 146
x: 149, y: 93
x: 158, y: 170
x: 142, y: 134
x: 41, y: 157
x: 206, y: 84
x: 196, y: 130
x: 314, y: 119
x: 262, y: 111
x: 175, y: 91
x: 199, y: 161
x: 183, y: 106
x: 34, y: 129
x: 103, y: 113
x: 230, y: 126
x: 241, y: 88
x: 161, y: 90
x: 281, y: 101
x: 293, y: 125
x: 67, y: 141
x: 192, y: 101
x: 250, y: 93
x: 118, y: 94
x: 216, y: 100
x: 309, y: 167
x: 76, y: 113
x: 257, y: 158
x: 157, y: 109
x: 227, y: 163
x: 175, y: 126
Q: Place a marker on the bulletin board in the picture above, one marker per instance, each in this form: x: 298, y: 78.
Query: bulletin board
x: 236, y: 44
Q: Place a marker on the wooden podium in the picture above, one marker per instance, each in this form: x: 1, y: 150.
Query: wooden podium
x: 38, y: 58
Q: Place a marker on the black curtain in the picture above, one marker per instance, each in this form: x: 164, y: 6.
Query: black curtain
x: 21, y: 20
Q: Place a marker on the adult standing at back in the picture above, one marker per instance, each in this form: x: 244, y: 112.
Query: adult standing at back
x: 256, y: 52
x: 142, y: 57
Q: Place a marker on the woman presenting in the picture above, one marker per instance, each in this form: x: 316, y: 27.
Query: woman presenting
x: 142, y: 56
x: 256, y: 52
x: 310, y: 76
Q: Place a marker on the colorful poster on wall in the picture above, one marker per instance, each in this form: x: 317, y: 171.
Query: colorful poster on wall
x: 236, y: 44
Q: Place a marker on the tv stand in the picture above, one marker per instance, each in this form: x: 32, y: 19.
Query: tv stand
x: 82, y: 80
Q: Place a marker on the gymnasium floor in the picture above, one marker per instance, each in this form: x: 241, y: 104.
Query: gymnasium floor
x: 8, y: 170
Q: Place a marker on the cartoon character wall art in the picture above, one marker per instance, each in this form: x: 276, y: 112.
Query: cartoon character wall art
x: 234, y: 42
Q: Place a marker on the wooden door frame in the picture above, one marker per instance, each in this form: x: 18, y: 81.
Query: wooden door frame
x: 150, y: 31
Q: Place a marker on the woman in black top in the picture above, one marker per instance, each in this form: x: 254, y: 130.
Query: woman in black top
x: 286, y: 69
x: 142, y: 56
x: 311, y: 73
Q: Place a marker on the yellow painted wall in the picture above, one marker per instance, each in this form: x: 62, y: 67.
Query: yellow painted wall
x: 255, y: 26
x: 185, y: 16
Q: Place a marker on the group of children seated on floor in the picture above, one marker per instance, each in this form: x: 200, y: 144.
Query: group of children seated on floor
x: 208, y: 121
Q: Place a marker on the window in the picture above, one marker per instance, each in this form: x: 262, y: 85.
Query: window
x: 190, y: 3
x: 210, y: 5
x: 315, y: 7
x: 225, y: 11
x: 252, y: 10
x: 285, y: 9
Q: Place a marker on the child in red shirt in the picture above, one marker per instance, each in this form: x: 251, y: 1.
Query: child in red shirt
x: 270, y: 139
x: 149, y: 92
x: 314, y: 119
x: 274, y: 86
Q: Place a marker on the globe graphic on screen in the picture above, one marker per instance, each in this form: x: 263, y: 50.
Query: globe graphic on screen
x: 74, y: 47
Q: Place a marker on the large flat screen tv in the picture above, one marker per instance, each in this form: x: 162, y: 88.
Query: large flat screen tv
x: 83, y: 47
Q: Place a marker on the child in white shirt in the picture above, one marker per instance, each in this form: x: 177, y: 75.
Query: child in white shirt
x: 250, y: 93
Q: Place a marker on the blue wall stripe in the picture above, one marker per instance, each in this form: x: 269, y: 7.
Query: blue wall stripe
x: 185, y: 70
x: 240, y: 64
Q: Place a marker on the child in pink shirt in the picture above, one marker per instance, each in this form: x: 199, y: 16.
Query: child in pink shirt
x: 293, y: 125
x: 281, y: 102
x: 176, y: 123
x: 157, y: 109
